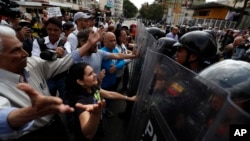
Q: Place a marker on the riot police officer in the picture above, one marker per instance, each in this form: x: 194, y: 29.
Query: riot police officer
x: 233, y: 76
x: 155, y: 32
x: 196, y: 50
x: 164, y: 45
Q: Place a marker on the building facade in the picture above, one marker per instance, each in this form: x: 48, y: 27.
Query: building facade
x: 115, y: 6
x: 27, y: 5
x: 118, y: 8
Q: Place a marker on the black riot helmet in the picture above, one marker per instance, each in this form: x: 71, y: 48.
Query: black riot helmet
x: 211, y: 32
x: 165, y: 46
x: 156, y: 32
x: 233, y: 76
x: 194, y: 28
x: 200, y: 43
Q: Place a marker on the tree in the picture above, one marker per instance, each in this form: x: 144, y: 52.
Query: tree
x: 129, y: 9
x: 152, y: 12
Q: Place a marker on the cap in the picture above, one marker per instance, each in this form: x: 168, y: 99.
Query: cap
x: 27, y: 16
x: 81, y: 15
x: 23, y: 23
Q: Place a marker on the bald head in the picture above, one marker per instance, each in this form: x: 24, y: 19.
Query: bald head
x: 175, y: 30
x: 237, y: 41
x: 109, y: 40
x: 108, y: 35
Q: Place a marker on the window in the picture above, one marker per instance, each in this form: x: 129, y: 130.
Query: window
x: 204, y: 13
x: 201, y: 13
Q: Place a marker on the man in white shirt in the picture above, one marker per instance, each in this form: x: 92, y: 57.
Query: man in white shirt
x: 59, y: 45
x: 92, y: 21
x: 82, y: 22
x: 54, y: 30
x: 31, y: 116
x: 174, y: 33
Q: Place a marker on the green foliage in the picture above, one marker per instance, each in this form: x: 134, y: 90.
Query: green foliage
x: 129, y: 9
x: 152, y: 12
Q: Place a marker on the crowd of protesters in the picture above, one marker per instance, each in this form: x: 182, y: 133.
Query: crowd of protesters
x: 40, y: 54
x: 232, y: 43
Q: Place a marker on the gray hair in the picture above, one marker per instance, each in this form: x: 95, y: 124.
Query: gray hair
x: 83, y: 36
x: 6, y: 31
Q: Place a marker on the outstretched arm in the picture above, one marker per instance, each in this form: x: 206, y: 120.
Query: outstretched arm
x: 41, y: 106
x: 90, y: 118
x: 123, y: 56
x: 115, y: 95
x: 94, y: 37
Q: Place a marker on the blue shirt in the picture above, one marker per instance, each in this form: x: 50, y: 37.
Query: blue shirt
x: 95, y: 60
x: 171, y: 35
x: 110, y: 78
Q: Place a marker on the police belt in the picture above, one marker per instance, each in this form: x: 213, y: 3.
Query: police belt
x: 53, y: 131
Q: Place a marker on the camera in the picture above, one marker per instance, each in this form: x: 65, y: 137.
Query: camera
x: 23, y: 23
x: 10, y: 9
x: 99, y: 19
x: 49, y: 55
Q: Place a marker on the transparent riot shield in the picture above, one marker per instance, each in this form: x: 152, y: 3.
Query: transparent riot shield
x: 165, y: 46
x: 173, y: 103
x: 230, y: 118
x: 156, y: 32
x: 144, y: 40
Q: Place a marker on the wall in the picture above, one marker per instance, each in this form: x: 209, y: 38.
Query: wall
x: 213, y: 13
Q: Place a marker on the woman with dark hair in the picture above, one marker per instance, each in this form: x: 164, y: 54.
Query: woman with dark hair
x: 122, y: 74
x: 82, y: 89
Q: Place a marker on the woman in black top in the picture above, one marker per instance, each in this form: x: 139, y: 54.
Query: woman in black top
x: 82, y: 88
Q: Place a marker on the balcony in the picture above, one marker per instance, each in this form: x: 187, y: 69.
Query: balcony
x: 41, y: 1
x: 29, y: 3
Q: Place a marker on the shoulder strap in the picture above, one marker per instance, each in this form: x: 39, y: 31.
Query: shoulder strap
x: 61, y: 43
x: 41, y: 43
x: 43, y: 47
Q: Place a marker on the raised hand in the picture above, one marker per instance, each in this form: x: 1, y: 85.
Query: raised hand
x: 44, y: 105
x: 93, y: 108
x: 94, y: 37
x: 112, y: 69
x: 60, y: 52
x: 101, y: 75
x: 40, y: 106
